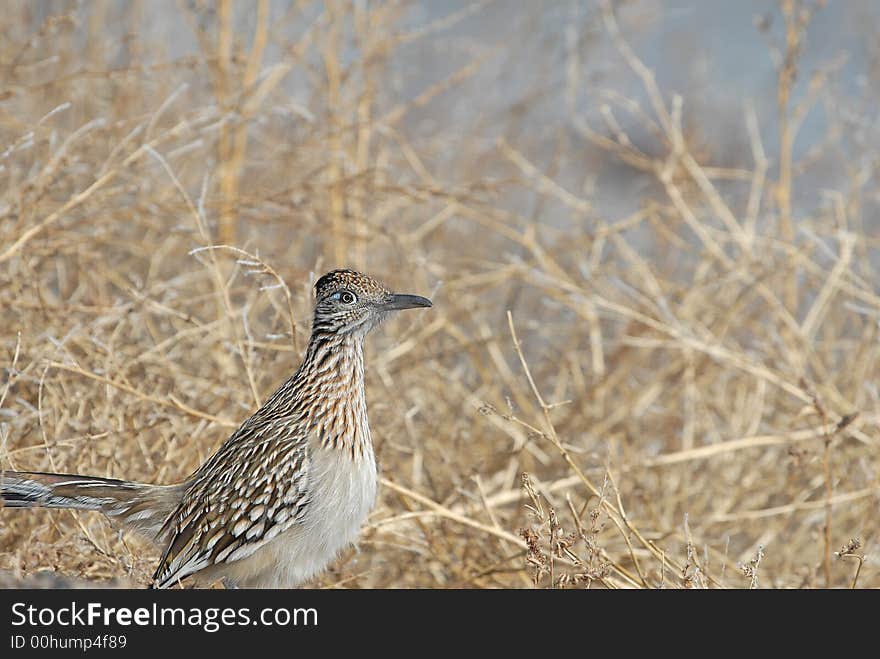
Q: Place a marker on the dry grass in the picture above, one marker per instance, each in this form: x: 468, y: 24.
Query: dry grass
x: 691, y: 387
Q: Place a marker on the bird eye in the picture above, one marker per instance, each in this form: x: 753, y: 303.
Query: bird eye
x: 346, y: 297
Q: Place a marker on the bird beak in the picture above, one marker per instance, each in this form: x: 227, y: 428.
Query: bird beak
x: 397, y: 301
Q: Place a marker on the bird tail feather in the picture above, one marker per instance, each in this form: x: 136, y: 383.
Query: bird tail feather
x: 138, y: 506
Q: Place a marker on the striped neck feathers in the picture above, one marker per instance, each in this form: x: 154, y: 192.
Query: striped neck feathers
x: 331, y: 392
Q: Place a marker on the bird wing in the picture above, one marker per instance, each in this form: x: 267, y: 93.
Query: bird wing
x: 229, y: 512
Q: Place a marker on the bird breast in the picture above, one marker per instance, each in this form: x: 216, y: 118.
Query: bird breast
x: 342, y: 493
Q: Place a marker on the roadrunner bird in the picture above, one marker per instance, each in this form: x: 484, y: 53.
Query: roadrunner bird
x: 286, y: 491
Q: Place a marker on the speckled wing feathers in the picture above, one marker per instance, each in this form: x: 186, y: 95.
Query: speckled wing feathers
x: 228, y: 514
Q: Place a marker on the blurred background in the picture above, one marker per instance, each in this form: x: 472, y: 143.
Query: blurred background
x: 649, y: 230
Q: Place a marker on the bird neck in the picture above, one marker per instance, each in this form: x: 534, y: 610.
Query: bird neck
x: 333, y: 395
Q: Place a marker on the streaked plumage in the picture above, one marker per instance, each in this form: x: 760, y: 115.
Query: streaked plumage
x: 287, y: 490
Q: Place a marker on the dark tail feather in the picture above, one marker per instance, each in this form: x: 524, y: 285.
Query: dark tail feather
x: 141, y: 507
x: 20, y: 489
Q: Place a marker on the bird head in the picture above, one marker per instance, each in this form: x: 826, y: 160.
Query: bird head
x: 351, y: 303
